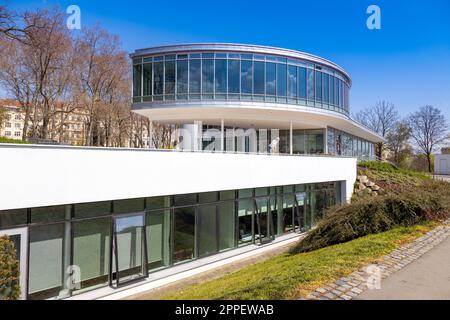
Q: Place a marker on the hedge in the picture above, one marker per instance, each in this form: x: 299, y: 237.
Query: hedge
x: 9, y: 270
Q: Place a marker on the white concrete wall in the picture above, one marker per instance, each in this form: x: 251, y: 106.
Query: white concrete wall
x: 35, y: 176
x: 442, y: 164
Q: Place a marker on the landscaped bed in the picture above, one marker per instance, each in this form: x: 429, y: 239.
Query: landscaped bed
x: 292, y: 276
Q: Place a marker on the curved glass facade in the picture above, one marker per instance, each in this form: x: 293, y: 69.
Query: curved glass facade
x: 239, y: 76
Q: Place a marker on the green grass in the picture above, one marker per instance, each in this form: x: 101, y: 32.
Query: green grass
x: 291, y: 276
x: 8, y: 140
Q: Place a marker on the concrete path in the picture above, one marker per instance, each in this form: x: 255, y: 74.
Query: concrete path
x: 426, y: 278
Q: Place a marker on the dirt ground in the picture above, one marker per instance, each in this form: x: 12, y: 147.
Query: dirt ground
x: 158, y: 293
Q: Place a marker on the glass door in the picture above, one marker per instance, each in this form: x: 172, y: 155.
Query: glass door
x: 264, y: 230
x: 20, y: 239
x: 300, y: 212
x: 129, y: 249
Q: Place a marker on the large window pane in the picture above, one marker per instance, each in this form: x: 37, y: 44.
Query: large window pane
x: 46, y: 261
x: 302, y: 82
x: 147, y: 79
x: 207, y: 230
x: 258, y: 80
x: 158, y: 78
x: 233, y: 76
x: 246, y: 76
x: 184, y: 234
x: 170, y: 77
x: 91, y: 241
x: 129, y: 205
x: 281, y: 84
x: 315, y: 141
x: 92, y: 209
x: 49, y: 214
x: 292, y: 81
x: 318, y: 86
x: 137, y: 78
x: 245, y: 211
x: 332, y: 90
x: 207, y: 76
x: 336, y: 91
x: 298, y: 141
x: 310, y: 84
x: 326, y: 88
x: 226, y: 221
x: 221, y: 76
x: 158, y: 238
x: 194, y: 76
x: 184, y: 199
x: 182, y: 76
x: 271, y: 78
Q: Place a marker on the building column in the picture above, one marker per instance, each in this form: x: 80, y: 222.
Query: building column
x: 291, y: 139
x: 150, y: 135
x: 222, y: 135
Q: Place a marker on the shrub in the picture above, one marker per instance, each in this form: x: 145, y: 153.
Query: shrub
x: 377, y: 214
x: 9, y: 271
x: 7, y: 140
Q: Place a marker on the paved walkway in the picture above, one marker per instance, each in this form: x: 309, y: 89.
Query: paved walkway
x: 425, y: 278
x: 400, y: 274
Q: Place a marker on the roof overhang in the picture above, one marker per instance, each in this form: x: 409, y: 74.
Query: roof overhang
x: 252, y: 114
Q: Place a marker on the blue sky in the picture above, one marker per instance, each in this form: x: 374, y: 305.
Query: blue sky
x: 407, y: 62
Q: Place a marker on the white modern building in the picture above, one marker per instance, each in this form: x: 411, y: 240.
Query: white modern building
x: 265, y: 143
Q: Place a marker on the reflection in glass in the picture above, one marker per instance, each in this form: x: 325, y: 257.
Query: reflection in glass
x: 137, y: 75
x: 158, y: 80
x: 194, y: 76
x: 184, y: 234
x: 227, y: 223
x: 233, y: 76
x: 318, y: 86
x: 325, y: 88
x: 245, y: 212
x: 158, y: 238
x: 281, y: 84
x: 207, y: 230
x: 182, y: 76
x: 302, y: 82
x: 207, y: 75
x: 246, y: 76
x: 258, y: 81
x: 170, y: 77
x: 271, y: 78
x: 147, y: 79
x: 292, y: 81
x: 221, y: 76
x: 310, y: 84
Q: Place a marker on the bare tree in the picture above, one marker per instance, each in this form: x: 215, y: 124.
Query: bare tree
x: 428, y: 130
x: 397, y: 140
x: 381, y: 119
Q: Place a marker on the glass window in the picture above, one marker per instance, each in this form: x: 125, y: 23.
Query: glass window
x: 325, y: 88
x: 137, y: 78
x: 302, y: 82
x: 207, y: 230
x: 310, y: 84
x: 49, y: 214
x: 227, y: 195
x: 245, y: 211
x: 298, y: 141
x: 332, y: 90
x: 147, y: 79
x: 258, y: 80
x: 314, y: 142
x: 194, y: 76
x: 184, y: 199
x: 318, y: 86
x: 227, y: 222
x: 158, y: 202
x: 182, y: 76
x: 261, y: 191
x: 129, y: 205
x: 246, y: 76
x: 336, y: 91
x: 92, y: 209
x: 271, y: 78
x: 184, y: 234
x: 91, y: 241
x: 46, y: 258
x: 158, y: 238
x: 207, y: 197
x: 245, y: 193
x: 221, y: 76
x: 292, y: 81
x: 207, y: 76
x: 11, y: 218
x: 233, y: 76
x: 170, y: 77
x: 281, y: 83
x: 158, y: 78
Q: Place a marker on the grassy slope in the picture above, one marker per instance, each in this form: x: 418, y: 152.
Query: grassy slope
x: 293, y: 276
